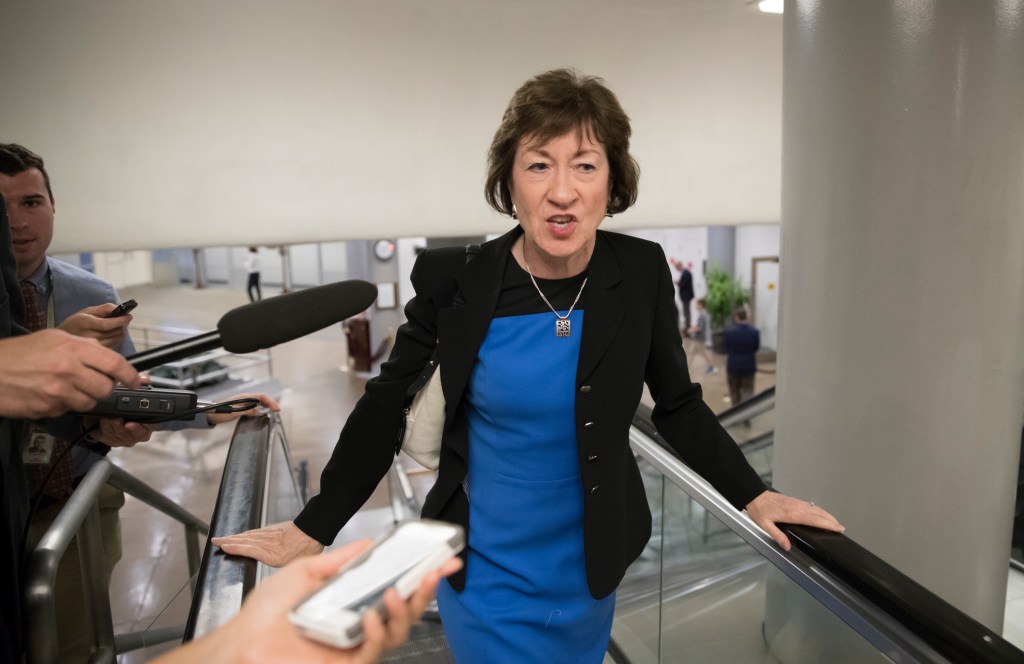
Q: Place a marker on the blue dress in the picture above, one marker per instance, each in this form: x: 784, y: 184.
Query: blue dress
x: 526, y: 597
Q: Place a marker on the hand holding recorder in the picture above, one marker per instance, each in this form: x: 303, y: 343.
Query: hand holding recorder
x: 50, y: 372
x: 262, y: 632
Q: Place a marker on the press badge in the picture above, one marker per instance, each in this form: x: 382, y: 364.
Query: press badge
x: 39, y: 448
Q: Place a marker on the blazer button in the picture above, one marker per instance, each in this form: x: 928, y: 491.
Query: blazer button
x: 588, y: 425
x: 585, y: 389
x: 594, y: 489
x: 592, y: 458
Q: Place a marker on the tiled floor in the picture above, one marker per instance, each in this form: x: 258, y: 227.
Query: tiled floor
x: 149, y: 588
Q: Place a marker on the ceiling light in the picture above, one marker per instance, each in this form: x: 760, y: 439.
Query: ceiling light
x: 771, y: 6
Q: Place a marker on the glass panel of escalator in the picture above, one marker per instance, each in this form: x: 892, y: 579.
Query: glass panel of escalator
x: 283, y: 500
x: 721, y: 601
x: 638, y: 600
x: 755, y: 439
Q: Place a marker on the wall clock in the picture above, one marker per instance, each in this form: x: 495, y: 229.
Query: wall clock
x: 383, y: 249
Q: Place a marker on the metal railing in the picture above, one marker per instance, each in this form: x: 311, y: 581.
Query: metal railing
x: 900, y: 619
x: 258, y: 458
x: 194, y: 371
x: 80, y: 516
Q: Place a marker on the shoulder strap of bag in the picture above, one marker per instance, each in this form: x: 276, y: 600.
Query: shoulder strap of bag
x: 471, y: 251
x: 419, y: 387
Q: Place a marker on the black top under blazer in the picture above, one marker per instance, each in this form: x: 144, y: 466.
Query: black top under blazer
x: 630, y: 337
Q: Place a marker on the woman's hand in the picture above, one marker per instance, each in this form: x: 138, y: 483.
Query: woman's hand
x: 771, y: 508
x: 261, y: 632
x: 275, y: 545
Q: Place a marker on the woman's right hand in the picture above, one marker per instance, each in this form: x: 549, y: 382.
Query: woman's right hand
x: 275, y: 545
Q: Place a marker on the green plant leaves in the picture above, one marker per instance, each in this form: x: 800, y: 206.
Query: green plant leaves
x: 725, y: 295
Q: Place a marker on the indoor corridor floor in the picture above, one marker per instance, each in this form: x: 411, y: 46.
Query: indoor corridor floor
x: 149, y: 587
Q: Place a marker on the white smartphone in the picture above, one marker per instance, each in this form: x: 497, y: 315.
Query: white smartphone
x: 333, y: 614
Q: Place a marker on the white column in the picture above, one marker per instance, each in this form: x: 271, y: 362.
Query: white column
x: 901, y: 345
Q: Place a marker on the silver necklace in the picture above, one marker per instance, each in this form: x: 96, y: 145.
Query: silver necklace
x: 562, y: 323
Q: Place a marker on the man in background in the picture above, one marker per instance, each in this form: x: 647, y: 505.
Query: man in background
x: 41, y: 375
x: 58, y: 294
x: 741, y: 343
x: 685, y: 293
x: 55, y: 292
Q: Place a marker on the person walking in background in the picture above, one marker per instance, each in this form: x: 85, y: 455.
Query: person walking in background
x: 699, y: 334
x: 252, y: 268
x: 741, y: 344
x: 686, y: 294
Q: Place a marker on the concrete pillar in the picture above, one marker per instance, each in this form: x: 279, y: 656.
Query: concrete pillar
x: 722, y: 248
x: 286, y: 268
x: 901, y: 350
x: 200, y: 267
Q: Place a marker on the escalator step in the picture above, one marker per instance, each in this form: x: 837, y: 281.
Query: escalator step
x: 426, y: 645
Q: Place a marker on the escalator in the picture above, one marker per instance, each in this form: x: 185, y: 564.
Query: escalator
x: 709, y: 587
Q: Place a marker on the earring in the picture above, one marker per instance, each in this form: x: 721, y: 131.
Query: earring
x: 608, y: 214
x: 515, y: 215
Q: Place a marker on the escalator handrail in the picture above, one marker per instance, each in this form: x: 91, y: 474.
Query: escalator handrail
x: 850, y: 571
x: 939, y: 623
x: 224, y: 581
x: 867, y: 620
x: 761, y: 402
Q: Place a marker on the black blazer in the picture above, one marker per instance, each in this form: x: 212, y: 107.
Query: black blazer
x: 630, y: 337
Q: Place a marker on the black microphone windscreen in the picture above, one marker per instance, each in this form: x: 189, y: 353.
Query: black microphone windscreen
x: 282, y: 318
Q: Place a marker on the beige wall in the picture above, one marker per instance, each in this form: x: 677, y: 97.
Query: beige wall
x: 266, y: 122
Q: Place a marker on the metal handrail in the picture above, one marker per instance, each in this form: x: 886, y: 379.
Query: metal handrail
x: 186, y: 341
x: 884, y: 626
x: 242, y: 504
x: 223, y: 581
x: 761, y: 402
x: 404, y: 504
x: 80, y: 516
x: 877, y: 627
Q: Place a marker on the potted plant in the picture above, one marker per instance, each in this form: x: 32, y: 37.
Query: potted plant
x: 725, y: 295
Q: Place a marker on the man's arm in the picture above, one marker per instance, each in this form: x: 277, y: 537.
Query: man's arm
x: 51, y: 372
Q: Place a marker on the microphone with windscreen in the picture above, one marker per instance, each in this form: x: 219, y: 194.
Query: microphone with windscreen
x: 269, y: 322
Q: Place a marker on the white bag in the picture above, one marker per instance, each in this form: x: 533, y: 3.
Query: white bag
x: 424, y: 416
x: 424, y: 422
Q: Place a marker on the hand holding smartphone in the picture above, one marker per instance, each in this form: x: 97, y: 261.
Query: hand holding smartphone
x: 400, y: 559
x: 122, y: 309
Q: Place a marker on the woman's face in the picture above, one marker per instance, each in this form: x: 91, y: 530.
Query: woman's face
x: 560, y: 191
